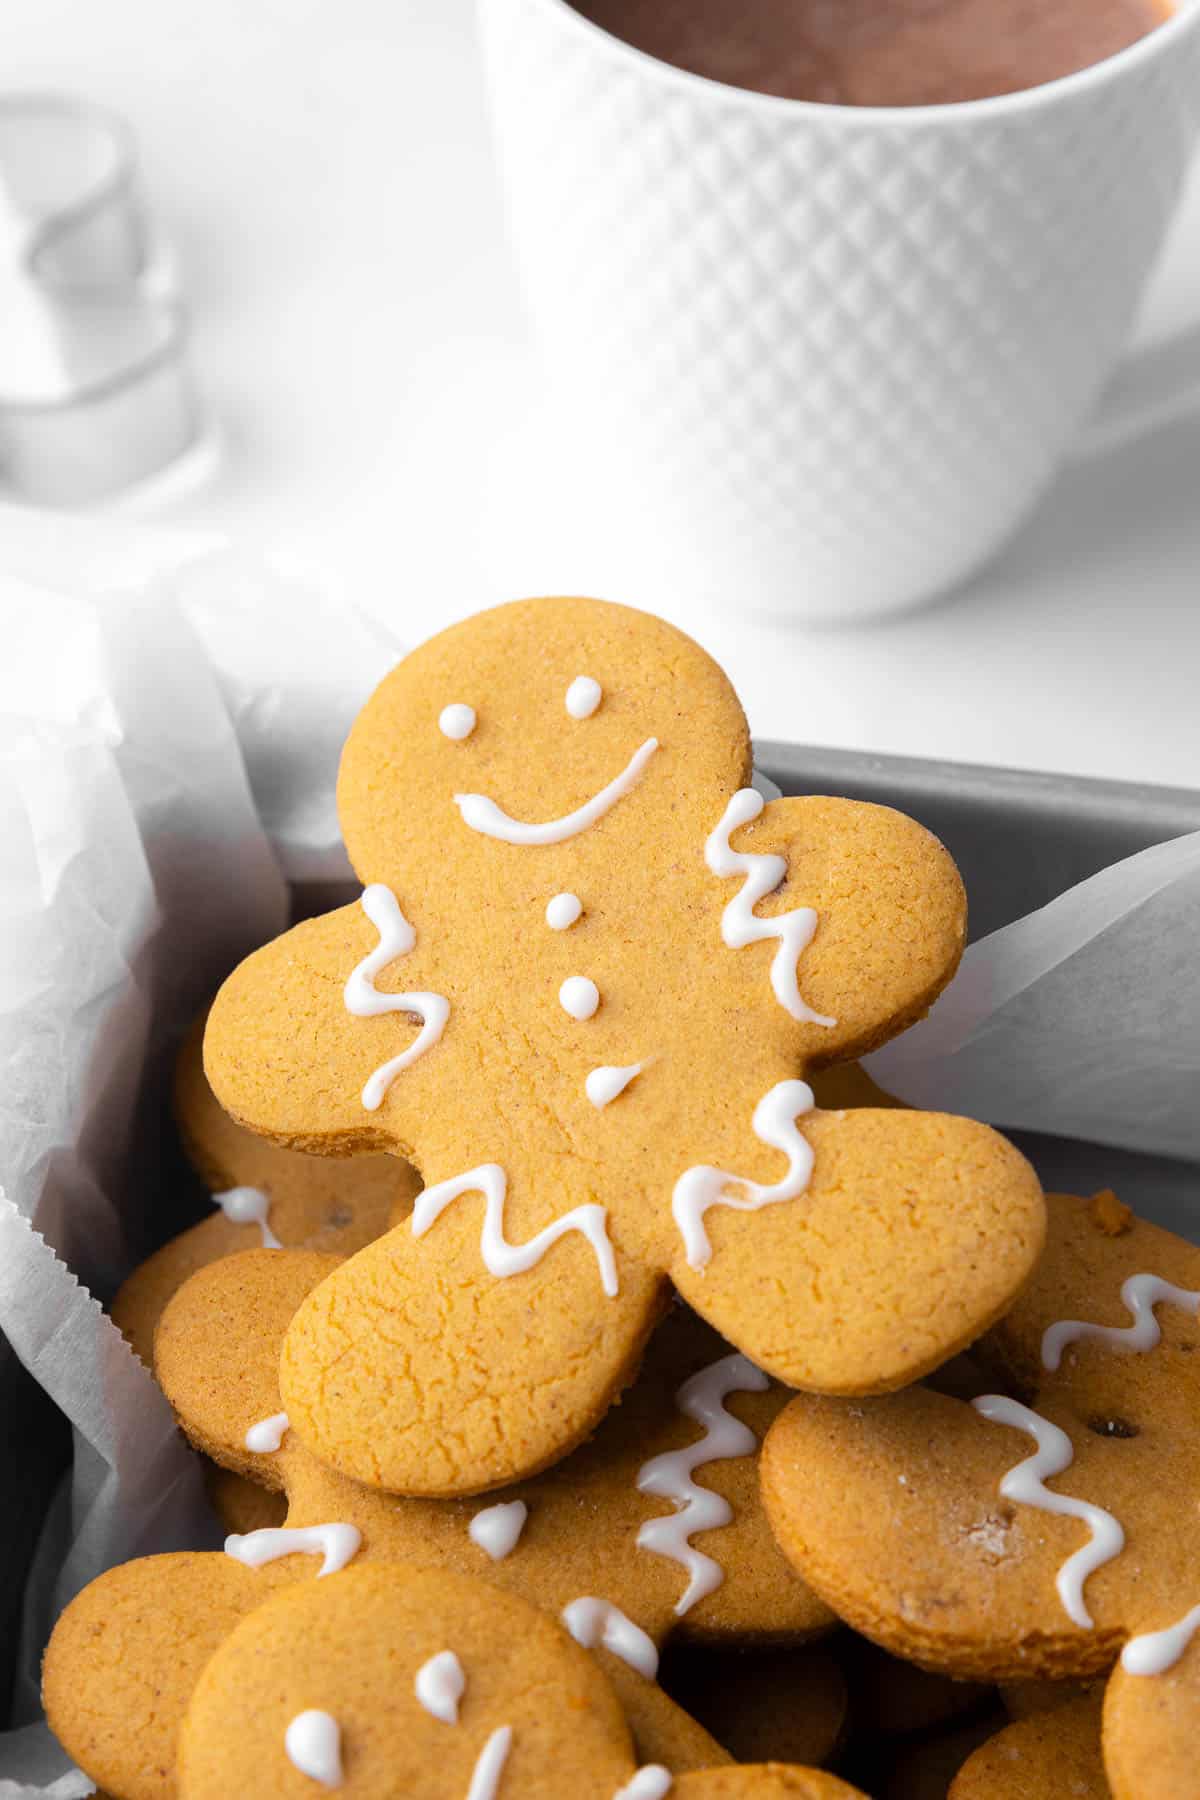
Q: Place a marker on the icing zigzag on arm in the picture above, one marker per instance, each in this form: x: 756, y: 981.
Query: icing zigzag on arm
x: 740, y: 925
x: 703, y: 1186
x: 396, y: 939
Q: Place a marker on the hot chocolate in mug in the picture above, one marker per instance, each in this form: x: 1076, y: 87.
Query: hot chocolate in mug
x: 829, y: 357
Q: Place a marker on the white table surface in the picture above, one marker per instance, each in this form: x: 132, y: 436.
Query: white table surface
x: 325, y: 175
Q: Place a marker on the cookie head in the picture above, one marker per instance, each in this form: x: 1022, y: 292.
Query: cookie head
x: 125, y: 1655
x: 394, y: 1681
x: 557, y: 726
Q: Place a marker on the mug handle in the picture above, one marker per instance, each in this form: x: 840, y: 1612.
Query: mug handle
x: 1153, y: 387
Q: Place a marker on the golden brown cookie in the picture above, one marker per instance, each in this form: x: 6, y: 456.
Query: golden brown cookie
x: 652, y: 1530
x: 1022, y: 1699
x: 619, y: 961
x: 663, y: 1731
x: 303, y: 1201
x: 776, y: 1705
x: 125, y: 1655
x: 1048, y: 1756
x: 1032, y: 1538
x: 762, y: 1781
x: 212, y: 1353
x: 240, y: 1504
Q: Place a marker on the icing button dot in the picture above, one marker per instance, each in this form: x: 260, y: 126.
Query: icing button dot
x: 579, y: 996
x: 562, y: 911
x: 583, y: 697
x: 457, y: 721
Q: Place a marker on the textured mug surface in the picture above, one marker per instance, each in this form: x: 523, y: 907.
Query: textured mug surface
x: 830, y: 355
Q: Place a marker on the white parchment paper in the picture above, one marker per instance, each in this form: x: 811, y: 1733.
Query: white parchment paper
x: 170, y: 720
x: 169, y: 730
x: 1082, y: 1019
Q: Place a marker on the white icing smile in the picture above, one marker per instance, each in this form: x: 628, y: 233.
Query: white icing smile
x: 483, y: 815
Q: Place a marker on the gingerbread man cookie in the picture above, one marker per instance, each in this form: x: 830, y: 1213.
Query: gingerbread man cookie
x: 1044, y: 1535
x: 263, y: 1194
x: 653, y: 1530
x: 587, y: 970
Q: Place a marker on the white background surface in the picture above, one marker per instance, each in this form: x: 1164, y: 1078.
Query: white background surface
x: 325, y: 175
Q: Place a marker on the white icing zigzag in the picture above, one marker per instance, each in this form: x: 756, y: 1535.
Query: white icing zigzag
x: 1026, y: 1483
x: 1140, y: 1294
x: 501, y: 1257
x: 669, y: 1476
x: 739, y: 923
x: 396, y: 939
x: 703, y: 1186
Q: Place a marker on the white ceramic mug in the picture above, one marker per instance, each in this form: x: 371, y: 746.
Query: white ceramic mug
x: 830, y: 356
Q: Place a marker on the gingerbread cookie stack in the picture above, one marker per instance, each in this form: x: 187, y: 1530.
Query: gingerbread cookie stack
x: 489, y: 1433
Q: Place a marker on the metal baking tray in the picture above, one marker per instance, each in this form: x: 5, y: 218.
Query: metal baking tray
x: 1019, y: 838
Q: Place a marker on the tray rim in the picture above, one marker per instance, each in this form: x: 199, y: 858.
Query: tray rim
x: 1098, y: 795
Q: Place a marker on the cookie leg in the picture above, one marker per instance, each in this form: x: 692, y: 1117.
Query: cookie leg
x: 414, y: 1368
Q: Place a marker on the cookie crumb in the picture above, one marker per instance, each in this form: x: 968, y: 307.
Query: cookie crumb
x: 1110, y: 1215
x: 990, y: 1535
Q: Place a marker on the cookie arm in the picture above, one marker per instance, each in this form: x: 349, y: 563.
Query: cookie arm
x: 286, y: 1056
x: 912, y: 1236
x: 890, y: 918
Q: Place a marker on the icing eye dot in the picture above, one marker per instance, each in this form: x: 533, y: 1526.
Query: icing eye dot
x: 562, y: 911
x: 579, y: 996
x: 457, y: 721
x: 583, y: 697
